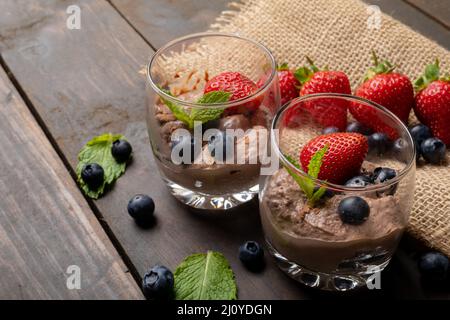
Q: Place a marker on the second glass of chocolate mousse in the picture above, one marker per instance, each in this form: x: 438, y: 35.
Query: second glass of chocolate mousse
x: 211, y: 100
x: 335, y: 208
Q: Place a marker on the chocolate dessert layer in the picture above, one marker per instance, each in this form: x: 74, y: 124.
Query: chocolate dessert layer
x: 316, y: 238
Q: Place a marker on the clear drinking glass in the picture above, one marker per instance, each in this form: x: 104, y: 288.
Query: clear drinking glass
x: 211, y: 175
x: 311, y: 242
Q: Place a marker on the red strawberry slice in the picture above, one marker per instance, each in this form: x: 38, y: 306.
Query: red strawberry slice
x: 326, y: 112
x: 432, y: 103
x: 393, y: 91
x: 239, y: 86
x: 343, y: 159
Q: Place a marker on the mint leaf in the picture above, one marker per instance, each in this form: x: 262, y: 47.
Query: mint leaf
x: 199, y: 114
x: 306, y: 183
x: 214, y: 97
x: 205, y: 277
x: 98, y: 150
x: 177, y: 110
x: 316, y: 162
x: 207, y: 114
x: 292, y: 160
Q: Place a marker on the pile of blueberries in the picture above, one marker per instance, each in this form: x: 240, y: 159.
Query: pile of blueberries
x: 218, y: 144
x: 430, y: 148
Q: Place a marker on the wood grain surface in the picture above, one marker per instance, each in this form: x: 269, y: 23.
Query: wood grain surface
x: 438, y: 10
x: 415, y: 19
x: 45, y: 223
x: 85, y: 82
x: 160, y: 20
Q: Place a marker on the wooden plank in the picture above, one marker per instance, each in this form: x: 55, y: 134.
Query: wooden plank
x: 86, y: 82
x: 45, y: 223
x: 437, y: 9
x: 160, y: 20
x: 415, y: 19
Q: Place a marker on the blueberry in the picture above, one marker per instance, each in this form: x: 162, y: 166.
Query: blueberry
x: 93, y: 175
x: 359, y: 128
x: 382, y: 174
x: 141, y: 207
x: 221, y: 145
x: 433, y: 150
x: 121, y: 150
x: 378, y: 143
x: 420, y: 132
x: 353, y: 210
x: 184, y: 143
x: 251, y: 255
x: 400, y: 149
x: 358, y: 182
x: 434, y: 266
x: 328, y: 130
x: 158, y: 283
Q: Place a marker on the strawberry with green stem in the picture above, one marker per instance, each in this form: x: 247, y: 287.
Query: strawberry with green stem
x: 327, y: 112
x: 390, y: 89
x: 289, y: 85
x: 432, y: 101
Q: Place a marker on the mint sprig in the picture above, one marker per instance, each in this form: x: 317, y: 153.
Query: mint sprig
x: 205, y: 276
x: 199, y: 114
x: 306, y: 183
x: 98, y: 150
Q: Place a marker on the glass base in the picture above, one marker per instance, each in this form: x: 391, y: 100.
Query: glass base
x: 205, y: 201
x: 325, y: 281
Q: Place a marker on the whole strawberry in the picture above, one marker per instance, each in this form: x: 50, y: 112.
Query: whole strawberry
x: 327, y: 112
x: 391, y: 90
x: 344, y: 156
x: 432, y: 102
x: 289, y: 85
x: 239, y: 86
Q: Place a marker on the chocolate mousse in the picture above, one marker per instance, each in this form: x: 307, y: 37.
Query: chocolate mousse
x: 318, y: 239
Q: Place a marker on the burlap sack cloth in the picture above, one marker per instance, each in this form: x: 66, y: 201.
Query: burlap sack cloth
x: 340, y: 34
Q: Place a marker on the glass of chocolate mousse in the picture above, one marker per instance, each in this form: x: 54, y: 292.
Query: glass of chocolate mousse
x: 335, y: 208
x: 211, y: 100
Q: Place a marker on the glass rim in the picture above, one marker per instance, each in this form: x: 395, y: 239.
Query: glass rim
x: 160, y: 92
x: 333, y: 186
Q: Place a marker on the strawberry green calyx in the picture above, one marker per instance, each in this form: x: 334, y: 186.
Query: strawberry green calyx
x: 379, y: 67
x: 283, y: 67
x: 432, y: 73
x: 306, y: 183
x: 303, y: 74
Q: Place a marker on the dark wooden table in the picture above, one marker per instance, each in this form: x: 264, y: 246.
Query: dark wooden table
x: 58, y: 88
